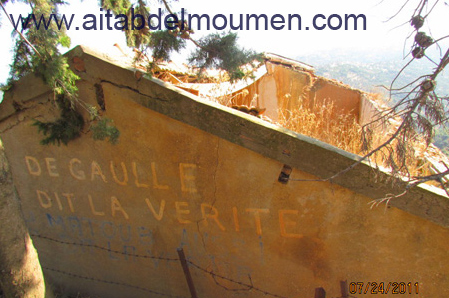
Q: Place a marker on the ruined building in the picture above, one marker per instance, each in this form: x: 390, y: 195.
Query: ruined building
x: 240, y: 196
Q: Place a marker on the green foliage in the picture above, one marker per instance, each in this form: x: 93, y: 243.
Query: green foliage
x: 67, y: 128
x: 163, y: 42
x: 39, y: 54
x: 214, y: 51
x: 124, y: 8
x: 221, y: 51
x: 104, y: 130
x: 65, y: 41
x: 37, y: 51
x: 4, y: 87
x: 116, y: 6
x: 21, y: 64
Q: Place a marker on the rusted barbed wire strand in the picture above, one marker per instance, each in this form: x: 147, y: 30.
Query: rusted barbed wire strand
x: 248, y: 286
x: 105, y: 249
x: 229, y: 289
x: 111, y: 282
x: 245, y: 286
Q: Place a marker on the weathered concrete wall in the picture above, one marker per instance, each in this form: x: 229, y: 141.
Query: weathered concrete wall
x: 345, y: 100
x: 205, y: 178
x: 280, y: 89
x: 284, y: 89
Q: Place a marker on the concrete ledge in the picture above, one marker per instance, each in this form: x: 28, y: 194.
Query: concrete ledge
x: 300, y: 152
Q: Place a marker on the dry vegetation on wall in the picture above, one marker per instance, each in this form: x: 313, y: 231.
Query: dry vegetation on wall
x: 341, y: 130
x: 324, y: 124
x: 411, y: 149
x: 229, y: 99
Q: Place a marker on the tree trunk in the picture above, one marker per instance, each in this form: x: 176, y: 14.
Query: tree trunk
x: 20, y: 270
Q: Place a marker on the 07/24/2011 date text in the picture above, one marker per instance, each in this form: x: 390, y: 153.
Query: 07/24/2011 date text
x: 383, y: 288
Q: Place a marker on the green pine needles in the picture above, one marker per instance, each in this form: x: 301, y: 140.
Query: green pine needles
x: 163, y: 43
x: 67, y: 128
x: 105, y: 130
x: 221, y: 51
x: 70, y: 124
x: 37, y: 51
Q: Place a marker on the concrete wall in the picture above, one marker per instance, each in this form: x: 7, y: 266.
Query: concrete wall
x: 205, y: 178
x: 280, y: 88
x: 345, y: 100
x: 285, y: 88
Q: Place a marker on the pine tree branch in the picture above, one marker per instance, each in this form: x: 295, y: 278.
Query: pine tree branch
x: 443, y: 63
x: 20, y: 33
x: 196, y: 43
x: 434, y: 177
x: 190, y: 38
x: 398, y: 12
x: 167, y: 6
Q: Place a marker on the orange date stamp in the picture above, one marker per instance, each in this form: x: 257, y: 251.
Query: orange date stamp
x: 384, y: 287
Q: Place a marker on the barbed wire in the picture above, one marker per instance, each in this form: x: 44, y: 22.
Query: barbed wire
x: 244, y: 287
x: 111, y: 282
x: 247, y: 287
x: 105, y: 249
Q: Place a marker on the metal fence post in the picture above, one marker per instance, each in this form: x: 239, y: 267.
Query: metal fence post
x: 344, y: 289
x: 320, y: 293
x: 186, y: 270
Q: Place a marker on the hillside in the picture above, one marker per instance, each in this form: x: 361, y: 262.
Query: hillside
x: 369, y: 72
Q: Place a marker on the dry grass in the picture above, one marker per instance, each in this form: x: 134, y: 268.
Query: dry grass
x: 403, y: 157
x: 342, y: 130
x: 410, y: 151
x: 323, y: 123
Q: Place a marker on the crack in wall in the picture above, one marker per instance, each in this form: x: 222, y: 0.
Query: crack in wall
x: 16, y: 122
x: 132, y: 89
x: 200, y: 234
x: 20, y: 116
x: 100, y: 96
x: 214, y: 193
x: 215, y: 172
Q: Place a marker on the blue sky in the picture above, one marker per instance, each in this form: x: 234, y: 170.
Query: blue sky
x: 380, y: 36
